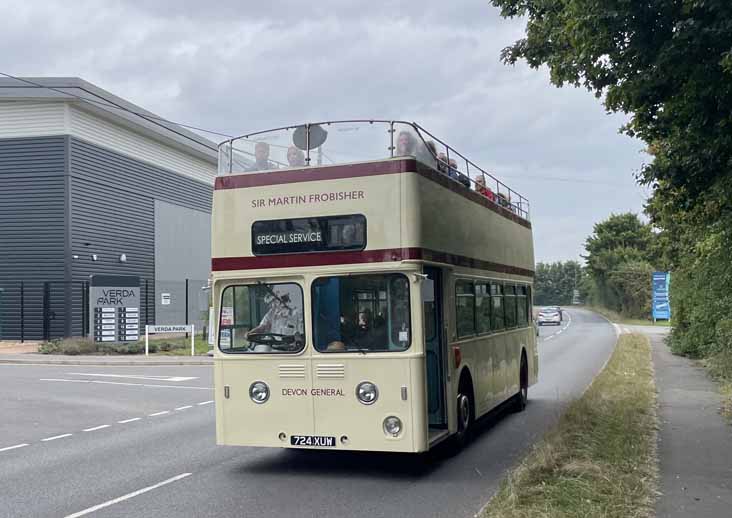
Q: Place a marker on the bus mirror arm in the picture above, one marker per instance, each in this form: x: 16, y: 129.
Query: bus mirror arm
x: 419, y: 277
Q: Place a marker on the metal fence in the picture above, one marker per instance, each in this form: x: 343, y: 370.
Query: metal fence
x: 44, y: 310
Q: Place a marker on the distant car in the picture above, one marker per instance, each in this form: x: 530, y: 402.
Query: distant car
x: 549, y: 316
x: 558, y: 310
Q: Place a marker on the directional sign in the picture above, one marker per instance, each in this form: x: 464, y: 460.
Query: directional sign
x: 114, y: 308
x: 170, y: 329
x: 660, y: 304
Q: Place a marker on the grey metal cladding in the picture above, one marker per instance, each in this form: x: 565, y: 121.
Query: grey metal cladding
x: 119, y: 172
x: 32, y: 226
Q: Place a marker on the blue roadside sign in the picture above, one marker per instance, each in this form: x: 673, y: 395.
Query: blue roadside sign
x: 660, y: 305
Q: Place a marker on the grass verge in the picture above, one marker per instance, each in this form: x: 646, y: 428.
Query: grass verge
x: 720, y: 368
x: 600, y: 459
x: 616, y: 317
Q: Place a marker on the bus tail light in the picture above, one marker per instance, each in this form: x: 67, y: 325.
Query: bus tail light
x: 458, y: 356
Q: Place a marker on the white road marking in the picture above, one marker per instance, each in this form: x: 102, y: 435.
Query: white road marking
x: 8, y: 448
x: 56, y: 437
x: 96, y: 428
x: 184, y: 407
x: 128, y: 496
x: 159, y: 413
x: 129, y: 420
x: 135, y: 376
x: 127, y: 384
x: 204, y: 403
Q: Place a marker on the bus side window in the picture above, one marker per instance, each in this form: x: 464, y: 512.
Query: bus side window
x: 497, y: 316
x: 465, y: 308
x: 482, y: 307
x: 509, y: 301
x: 523, y: 307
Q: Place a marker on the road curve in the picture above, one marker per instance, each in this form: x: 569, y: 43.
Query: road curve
x: 168, y: 465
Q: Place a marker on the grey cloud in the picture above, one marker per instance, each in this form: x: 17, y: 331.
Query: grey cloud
x: 238, y: 67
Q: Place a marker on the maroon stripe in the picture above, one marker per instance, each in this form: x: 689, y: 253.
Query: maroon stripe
x: 314, y: 174
x: 366, y: 256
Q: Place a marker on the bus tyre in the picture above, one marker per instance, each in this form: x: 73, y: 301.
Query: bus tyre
x: 522, y: 397
x: 464, y: 416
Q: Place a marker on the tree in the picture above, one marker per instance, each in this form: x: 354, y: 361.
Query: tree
x: 554, y: 283
x: 620, y: 254
x: 668, y: 64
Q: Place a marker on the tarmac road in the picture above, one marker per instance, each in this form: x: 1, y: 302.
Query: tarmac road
x: 142, y: 443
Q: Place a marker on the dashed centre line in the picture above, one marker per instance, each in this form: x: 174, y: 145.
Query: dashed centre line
x: 103, y: 426
x: 96, y: 428
x: 47, y: 439
x: 15, y: 447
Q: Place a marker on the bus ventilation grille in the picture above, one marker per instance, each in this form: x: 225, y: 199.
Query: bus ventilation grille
x: 331, y: 370
x: 293, y: 370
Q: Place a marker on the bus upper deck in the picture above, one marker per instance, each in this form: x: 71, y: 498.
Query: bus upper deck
x: 352, y: 141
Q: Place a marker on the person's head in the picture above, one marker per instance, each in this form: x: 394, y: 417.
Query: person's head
x: 261, y: 151
x: 480, y: 180
x: 405, y: 143
x: 364, y: 319
x: 452, y: 163
x: 442, y: 157
x: 295, y: 157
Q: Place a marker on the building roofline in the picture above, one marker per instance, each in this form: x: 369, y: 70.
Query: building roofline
x: 108, y: 105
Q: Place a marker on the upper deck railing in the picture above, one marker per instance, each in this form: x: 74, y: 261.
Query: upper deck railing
x: 350, y: 141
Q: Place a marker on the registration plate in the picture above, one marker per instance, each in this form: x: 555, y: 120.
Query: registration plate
x: 312, y: 440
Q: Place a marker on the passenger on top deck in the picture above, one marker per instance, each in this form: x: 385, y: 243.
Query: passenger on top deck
x: 295, y: 157
x: 457, y: 175
x: 405, y: 144
x: 261, y: 158
x: 442, y: 163
x: 481, y: 188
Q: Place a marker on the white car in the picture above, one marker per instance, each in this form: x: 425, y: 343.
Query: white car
x: 549, y: 316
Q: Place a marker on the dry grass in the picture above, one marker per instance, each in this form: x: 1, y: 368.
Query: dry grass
x: 600, y: 460
x: 720, y: 367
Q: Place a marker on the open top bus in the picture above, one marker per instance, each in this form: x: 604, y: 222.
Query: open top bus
x: 372, y: 288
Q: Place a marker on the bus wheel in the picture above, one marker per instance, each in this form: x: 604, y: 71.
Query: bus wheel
x: 464, y: 415
x: 523, y: 395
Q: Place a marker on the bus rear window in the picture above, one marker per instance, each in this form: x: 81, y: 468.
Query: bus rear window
x: 361, y: 313
x: 262, y: 318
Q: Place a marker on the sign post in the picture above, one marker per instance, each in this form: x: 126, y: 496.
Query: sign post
x: 171, y: 329
x: 114, y: 308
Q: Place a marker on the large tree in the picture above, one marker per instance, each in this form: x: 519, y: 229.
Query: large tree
x: 668, y: 64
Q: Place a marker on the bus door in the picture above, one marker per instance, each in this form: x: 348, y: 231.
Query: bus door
x: 434, y: 346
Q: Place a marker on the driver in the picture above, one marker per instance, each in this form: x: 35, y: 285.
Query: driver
x: 280, y: 319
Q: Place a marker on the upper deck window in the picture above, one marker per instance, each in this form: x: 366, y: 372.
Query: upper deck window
x: 317, y: 234
x: 361, y: 313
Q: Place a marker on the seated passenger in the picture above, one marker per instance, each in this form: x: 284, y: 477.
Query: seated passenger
x: 367, y: 335
x: 457, y: 175
x: 442, y: 163
x: 481, y: 188
x: 261, y: 158
x: 502, y: 200
x: 405, y: 144
x: 427, y: 153
x: 295, y: 157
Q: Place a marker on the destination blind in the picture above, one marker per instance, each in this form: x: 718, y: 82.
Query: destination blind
x: 317, y: 234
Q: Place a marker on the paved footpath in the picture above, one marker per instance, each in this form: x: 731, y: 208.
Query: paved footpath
x: 695, y: 443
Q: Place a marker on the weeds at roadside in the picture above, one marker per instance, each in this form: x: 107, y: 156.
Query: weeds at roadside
x: 600, y: 460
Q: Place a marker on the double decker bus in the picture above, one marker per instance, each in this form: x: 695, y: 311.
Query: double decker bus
x: 372, y: 288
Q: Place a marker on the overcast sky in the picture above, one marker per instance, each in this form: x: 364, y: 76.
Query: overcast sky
x: 236, y: 68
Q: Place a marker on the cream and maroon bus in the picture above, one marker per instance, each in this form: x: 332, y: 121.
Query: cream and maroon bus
x: 372, y: 288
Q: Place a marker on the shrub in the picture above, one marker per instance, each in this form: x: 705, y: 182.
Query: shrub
x: 70, y: 346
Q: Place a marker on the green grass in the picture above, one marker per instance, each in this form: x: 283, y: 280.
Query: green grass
x: 182, y: 346
x: 720, y: 367
x: 616, y: 317
x: 600, y: 460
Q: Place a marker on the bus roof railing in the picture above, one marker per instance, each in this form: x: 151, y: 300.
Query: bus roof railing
x: 359, y: 140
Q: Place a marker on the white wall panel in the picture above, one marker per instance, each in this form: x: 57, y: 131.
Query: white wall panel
x: 31, y: 119
x: 117, y: 138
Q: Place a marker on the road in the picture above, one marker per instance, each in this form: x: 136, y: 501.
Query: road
x: 139, y: 441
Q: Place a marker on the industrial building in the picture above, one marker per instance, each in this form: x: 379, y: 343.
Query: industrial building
x: 93, y: 184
